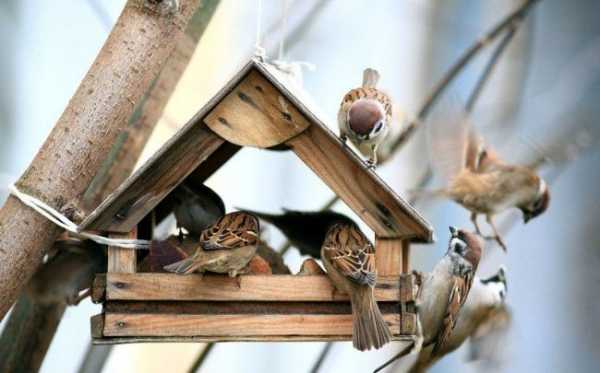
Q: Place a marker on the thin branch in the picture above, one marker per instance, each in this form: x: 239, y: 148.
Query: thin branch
x: 201, y: 358
x: 458, y: 66
x: 324, y: 352
x: 491, y: 65
x: 95, y: 358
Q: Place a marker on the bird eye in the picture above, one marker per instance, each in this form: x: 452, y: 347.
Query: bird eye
x: 378, y: 126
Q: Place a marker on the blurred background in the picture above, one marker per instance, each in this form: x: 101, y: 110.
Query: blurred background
x: 541, y: 101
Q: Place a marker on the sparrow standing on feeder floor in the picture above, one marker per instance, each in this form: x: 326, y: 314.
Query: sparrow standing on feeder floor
x: 306, y: 230
x: 349, y: 258
x: 365, y: 116
x: 225, y: 247
x: 477, y: 179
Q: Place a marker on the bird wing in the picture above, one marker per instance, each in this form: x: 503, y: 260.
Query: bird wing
x: 448, y: 137
x: 232, y: 231
x: 458, y: 295
x: 489, y: 339
x: 351, y: 253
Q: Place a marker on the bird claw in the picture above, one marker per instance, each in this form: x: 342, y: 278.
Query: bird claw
x: 371, y: 165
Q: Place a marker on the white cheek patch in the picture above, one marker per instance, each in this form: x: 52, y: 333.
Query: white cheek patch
x: 542, y: 188
x: 457, y: 245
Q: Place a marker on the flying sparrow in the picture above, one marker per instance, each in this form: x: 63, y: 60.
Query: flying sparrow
x: 365, y: 116
x: 483, y: 307
x: 225, y: 247
x: 349, y: 259
x: 305, y: 230
x: 476, y: 177
x: 196, y: 209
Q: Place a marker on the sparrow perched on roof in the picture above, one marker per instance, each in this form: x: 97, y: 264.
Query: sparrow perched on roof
x: 305, y: 230
x: 225, y: 247
x: 482, y: 311
x: 476, y: 177
x: 197, y: 209
x: 445, y: 290
x: 365, y: 116
x: 349, y: 259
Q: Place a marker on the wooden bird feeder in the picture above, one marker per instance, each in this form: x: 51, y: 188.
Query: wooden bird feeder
x: 258, y: 108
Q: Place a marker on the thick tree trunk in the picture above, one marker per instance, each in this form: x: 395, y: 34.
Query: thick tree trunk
x: 60, y: 173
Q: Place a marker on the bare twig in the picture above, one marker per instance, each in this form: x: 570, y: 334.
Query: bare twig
x: 201, y: 358
x: 491, y: 65
x: 324, y: 352
x: 458, y: 66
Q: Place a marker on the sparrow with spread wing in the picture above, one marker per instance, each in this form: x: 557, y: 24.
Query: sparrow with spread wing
x: 349, y: 259
x: 477, y: 178
x: 306, y: 230
x: 225, y: 247
x: 365, y: 116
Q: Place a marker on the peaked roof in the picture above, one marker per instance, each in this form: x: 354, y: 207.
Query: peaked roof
x: 258, y: 107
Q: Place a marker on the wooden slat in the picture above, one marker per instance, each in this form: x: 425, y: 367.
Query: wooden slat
x: 256, y: 114
x: 233, y: 325
x: 241, y: 308
x: 224, y: 338
x: 122, y: 260
x: 360, y: 188
x: 139, y: 194
x: 164, y: 286
x: 388, y: 256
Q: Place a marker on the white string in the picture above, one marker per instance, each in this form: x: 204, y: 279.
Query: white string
x: 259, y: 51
x: 284, y: 16
x: 62, y: 221
x: 291, y: 68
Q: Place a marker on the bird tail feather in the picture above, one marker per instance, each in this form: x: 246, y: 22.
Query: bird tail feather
x: 369, y: 330
x: 184, y: 267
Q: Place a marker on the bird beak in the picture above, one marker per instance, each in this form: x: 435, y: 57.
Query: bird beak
x: 526, y: 217
x: 453, y: 231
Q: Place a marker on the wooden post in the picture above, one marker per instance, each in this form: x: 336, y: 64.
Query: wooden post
x: 122, y: 260
x: 388, y: 256
x: 405, y: 256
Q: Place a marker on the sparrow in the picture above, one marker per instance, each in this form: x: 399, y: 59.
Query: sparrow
x: 478, y: 179
x: 305, y: 230
x: 482, y: 309
x: 365, y: 116
x: 196, y: 209
x: 349, y: 258
x: 225, y: 247
x: 444, y: 291
x: 68, y: 272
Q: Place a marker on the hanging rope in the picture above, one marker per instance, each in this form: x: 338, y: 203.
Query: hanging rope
x: 259, y: 51
x: 62, y: 221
